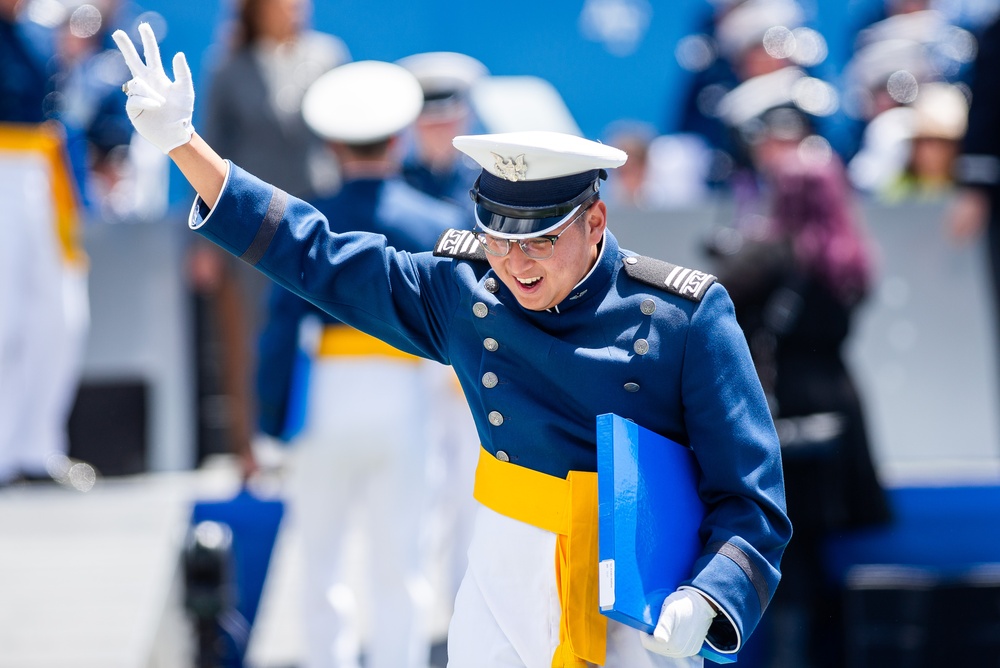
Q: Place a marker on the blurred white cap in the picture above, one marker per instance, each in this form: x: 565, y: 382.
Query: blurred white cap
x: 362, y: 102
x: 445, y: 77
x: 745, y: 25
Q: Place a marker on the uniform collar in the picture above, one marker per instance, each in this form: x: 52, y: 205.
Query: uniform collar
x: 596, y: 281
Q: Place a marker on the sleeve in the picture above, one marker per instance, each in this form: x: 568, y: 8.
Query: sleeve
x: 404, y: 299
x: 746, y: 528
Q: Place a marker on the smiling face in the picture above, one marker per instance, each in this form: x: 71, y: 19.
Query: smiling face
x: 541, y: 284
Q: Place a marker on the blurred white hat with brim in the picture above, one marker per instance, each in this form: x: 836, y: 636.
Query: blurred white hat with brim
x: 445, y: 77
x: 362, y: 102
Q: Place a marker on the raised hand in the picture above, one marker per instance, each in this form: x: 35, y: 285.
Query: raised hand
x: 160, y: 109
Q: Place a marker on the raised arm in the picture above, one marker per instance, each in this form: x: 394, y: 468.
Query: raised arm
x: 161, y: 110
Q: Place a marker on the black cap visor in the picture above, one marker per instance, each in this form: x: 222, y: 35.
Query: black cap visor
x: 525, y: 222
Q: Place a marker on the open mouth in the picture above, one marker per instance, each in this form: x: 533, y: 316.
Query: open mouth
x: 529, y: 284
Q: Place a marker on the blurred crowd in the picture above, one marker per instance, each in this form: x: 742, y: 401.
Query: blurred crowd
x: 768, y: 120
x: 763, y: 78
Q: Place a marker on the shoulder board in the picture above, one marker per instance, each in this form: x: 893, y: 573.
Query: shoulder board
x: 681, y: 281
x: 461, y: 244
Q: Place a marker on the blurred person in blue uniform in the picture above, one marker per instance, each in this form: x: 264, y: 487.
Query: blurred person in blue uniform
x: 365, y: 407
x: 744, y: 40
x: 432, y: 164
x: 777, y: 103
x: 44, y: 309
x: 253, y: 115
x: 548, y: 323
x: 770, y: 121
x: 797, y: 284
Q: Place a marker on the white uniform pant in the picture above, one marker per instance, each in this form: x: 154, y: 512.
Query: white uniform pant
x: 451, y: 510
x: 44, y: 319
x: 361, y: 456
x: 507, y: 610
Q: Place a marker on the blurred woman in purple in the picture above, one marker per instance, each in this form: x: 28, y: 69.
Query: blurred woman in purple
x: 796, y: 286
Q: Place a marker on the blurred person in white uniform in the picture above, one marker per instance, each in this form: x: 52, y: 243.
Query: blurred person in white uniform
x: 362, y: 409
x: 44, y: 309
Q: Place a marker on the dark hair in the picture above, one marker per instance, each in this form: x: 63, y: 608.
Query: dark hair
x: 813, y: 208
x: 246, y: 30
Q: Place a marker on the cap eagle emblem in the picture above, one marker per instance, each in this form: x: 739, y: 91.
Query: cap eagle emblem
x: 511, y: 169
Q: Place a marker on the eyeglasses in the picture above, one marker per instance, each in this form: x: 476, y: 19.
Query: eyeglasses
x: 537, y: 248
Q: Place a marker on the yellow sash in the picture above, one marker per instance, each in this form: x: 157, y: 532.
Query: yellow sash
x: 48, y: 141
x: 567, y: 508
x: 340, y: 340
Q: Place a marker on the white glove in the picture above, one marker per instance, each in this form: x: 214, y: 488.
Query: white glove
x: 160, y: 109
x: 683, y: 625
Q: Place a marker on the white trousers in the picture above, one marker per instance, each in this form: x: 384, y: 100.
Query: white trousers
x: 44, y: 319
x: 507, y: 610
x: 452, y: 459
x: 360, y: 462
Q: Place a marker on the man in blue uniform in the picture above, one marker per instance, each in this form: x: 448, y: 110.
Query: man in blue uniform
x: 432, y: 164
x: 548, y: 324
x: 364, y: 441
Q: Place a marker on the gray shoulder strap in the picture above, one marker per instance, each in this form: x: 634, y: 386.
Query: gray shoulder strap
x: 681, y: 281
x: 460, y: 244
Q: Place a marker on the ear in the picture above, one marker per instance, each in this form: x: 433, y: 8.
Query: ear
x: 595, y: 221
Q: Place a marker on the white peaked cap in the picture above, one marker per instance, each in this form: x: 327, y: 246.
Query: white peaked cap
x: 747, y: 22
x: 444, y: 71
x: 538, y: 155
x: 362, y: 102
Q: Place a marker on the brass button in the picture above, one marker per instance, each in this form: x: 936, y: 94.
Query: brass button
x: 491, y: 285
x: 495, y: 418
x: 503, y: 456
x: 641, y: 346
x: 647, y: 306
x: 490, y: 344
x: 480, y: 310
x: 490, y: 379
x: 631, y: 387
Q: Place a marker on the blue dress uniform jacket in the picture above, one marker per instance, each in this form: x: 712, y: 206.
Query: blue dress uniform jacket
x: 409, y: 220
x: 26, y: 56
x: 537, y: 380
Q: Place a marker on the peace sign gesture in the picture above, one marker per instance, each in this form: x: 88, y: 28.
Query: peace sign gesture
x: 160, y: 109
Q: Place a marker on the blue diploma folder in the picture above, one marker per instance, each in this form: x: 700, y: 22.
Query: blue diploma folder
x: 650, y: 513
